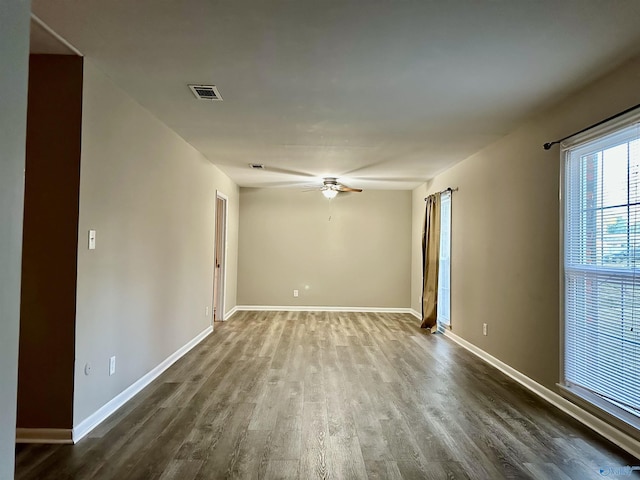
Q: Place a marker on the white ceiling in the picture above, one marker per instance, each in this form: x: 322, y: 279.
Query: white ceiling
x: 380, y: 93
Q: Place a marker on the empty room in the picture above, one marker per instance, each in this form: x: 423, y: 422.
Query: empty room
x: 338, y: 239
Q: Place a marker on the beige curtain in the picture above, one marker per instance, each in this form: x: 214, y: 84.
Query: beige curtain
x: 430, y: 256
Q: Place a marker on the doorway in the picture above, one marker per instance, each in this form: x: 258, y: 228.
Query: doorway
x: 220, y: 257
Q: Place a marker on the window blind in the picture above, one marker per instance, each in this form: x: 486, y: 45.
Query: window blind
x: 444, y: 268
x: 601, y: 260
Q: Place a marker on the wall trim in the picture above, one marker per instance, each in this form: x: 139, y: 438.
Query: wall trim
x: 415, y: 313
x: 230, y: 313
x: 621, y: 439
x: 44, y: 435
x: 225, y: 226
x: 93, y: 420
x: 303, y: 308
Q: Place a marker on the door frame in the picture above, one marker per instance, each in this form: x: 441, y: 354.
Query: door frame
x: 219, y: 306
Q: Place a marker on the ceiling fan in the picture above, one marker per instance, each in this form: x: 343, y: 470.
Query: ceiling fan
x: 331, y: 187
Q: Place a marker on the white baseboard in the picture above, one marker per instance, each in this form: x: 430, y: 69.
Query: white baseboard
x: 609, y: 432
x: 301, y: 308
x: 44, y: 435
x: 91, y: 422
x: 415, y: 313
x: 230, y: 313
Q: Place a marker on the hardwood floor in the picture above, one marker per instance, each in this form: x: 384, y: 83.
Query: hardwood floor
x: 308, y: 395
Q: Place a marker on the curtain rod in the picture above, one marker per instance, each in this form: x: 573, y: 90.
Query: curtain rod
x: 547, y: 146
x: 448, y: 189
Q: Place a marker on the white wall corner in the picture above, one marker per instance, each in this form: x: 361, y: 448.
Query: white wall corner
x: 614, y: 435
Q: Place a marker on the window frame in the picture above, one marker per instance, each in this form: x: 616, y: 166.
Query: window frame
x: 448, y: 194
x: 593, y: 403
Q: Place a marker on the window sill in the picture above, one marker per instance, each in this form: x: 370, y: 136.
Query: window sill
x: 606, y: 411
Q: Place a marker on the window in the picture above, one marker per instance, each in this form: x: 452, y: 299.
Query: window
x: 601, y: 260
x: 444, y: 268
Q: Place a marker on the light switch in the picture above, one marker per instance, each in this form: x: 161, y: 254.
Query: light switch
x: 92, y: 239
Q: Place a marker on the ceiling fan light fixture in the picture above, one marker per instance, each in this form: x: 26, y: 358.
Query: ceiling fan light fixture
x: 329, y: 193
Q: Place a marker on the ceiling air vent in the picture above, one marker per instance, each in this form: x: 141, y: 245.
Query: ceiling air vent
x: 205, y: 92
x: 257, y: 166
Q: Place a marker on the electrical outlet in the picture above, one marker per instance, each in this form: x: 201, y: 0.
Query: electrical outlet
x: 206, y: 311
x: 112, y: 366
x: 295, y: 293
x: 484, y: 329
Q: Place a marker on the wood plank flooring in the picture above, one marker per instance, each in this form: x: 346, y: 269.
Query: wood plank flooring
x: 306, y: 395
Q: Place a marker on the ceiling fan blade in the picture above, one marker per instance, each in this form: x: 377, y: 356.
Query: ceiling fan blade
x: 344, y: 188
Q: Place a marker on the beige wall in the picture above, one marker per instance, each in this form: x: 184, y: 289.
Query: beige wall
x: 14, y: 57
x: 505, y: 231
x: 150, y: 196
x: 352, y: 251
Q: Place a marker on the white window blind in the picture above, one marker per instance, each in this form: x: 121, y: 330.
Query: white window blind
x: 444, y: 268
x: 601, y: 260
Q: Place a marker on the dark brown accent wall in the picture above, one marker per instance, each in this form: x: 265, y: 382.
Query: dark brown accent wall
x: 50, y: 243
